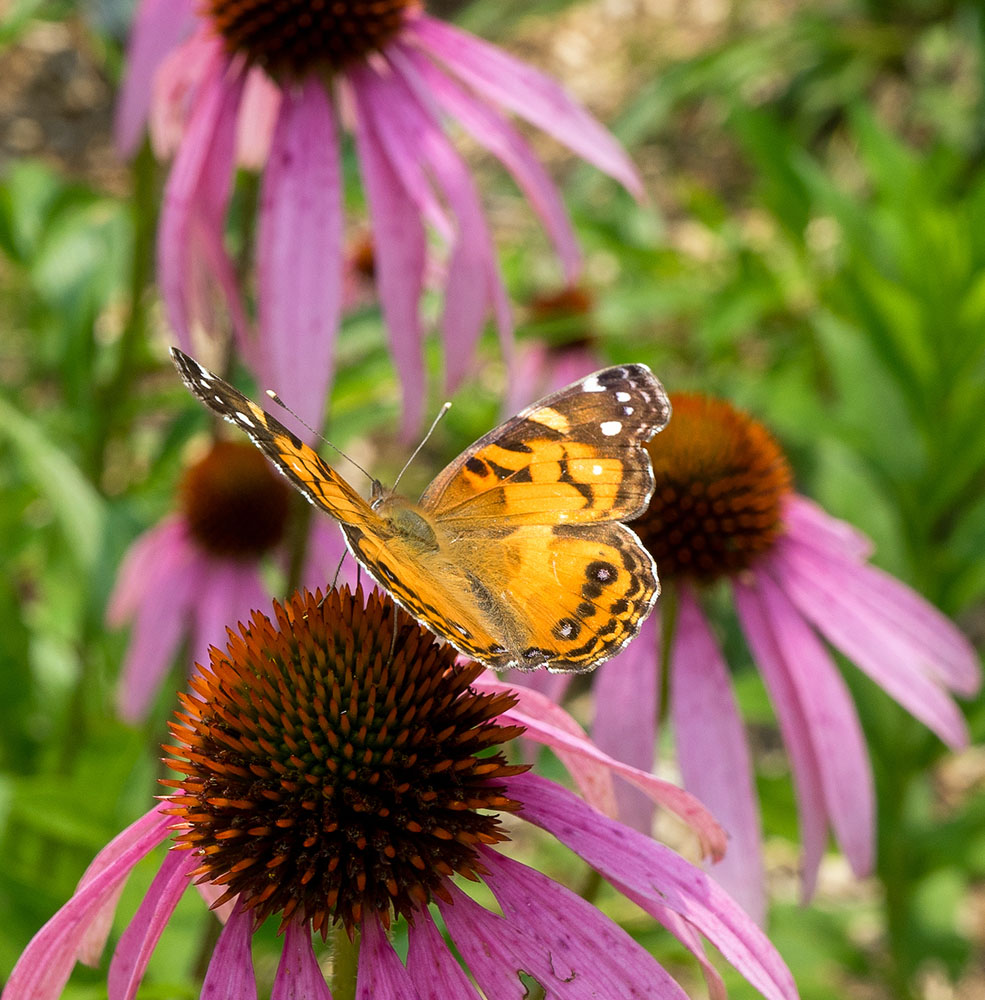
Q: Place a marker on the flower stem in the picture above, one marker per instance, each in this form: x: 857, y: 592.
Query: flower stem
x: 669, y: 606
x: 345, y: 964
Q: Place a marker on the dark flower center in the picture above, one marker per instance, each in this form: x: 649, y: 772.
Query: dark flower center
x: 325, y: 777
x: 290, y: 38
x: 720, y: 480
x: 235, y: 504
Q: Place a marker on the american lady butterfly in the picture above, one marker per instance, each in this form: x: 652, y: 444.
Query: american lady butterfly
x: 516, y: 553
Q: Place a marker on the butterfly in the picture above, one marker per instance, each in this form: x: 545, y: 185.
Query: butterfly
x: 516, y: 554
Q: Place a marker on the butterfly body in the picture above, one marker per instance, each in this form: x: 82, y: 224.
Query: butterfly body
x: 516, y: 554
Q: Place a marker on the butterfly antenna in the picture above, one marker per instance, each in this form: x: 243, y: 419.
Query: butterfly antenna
x: 304, y: 423
x: 444, y: 409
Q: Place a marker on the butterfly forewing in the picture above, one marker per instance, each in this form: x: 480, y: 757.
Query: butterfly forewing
x: 304, y: 467
x: 576, y: 456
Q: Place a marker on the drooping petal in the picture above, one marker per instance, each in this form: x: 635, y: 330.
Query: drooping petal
x: 158, y: 26
x: 625, y: 697
x: 808, y: 780
x: 829, y: 714
x: 46, y: 963
x: 143, y: 558
x: 526, y: 92
x: 717, y: 771
x: 257, y: 120
x: 177, y: 85
x: 382, y: 976
x: 136, y: 945
x: 938, y: 647
x: 399, y: 249
x: 472, y: 269
x: 819, y: 593
x: 228, y: 593
x: 591, y: 948
x: 684, y: 933
x: 189, y: 245
x: 157, y: 631
x: 494, y: 132
x: 433, y: 969
x: 679, y: 802
x: 230, y: 974
x: 298, y: 975
x: 656, y: 873
x: 805, y: 519
x: 494, y: 951
x: 593, y: 777
x: 299, y: 266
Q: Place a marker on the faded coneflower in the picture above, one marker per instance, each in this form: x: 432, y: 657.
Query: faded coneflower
x: 338, y: 772
x: 724, y: 511
x: 186, y: 578
x: 267, y: 83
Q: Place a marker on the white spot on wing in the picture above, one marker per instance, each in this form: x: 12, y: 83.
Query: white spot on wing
x: 610, y: 427
x: 596, y: 470
x: 592, y: 384
x: 244, y: 419
x: 623, y: 397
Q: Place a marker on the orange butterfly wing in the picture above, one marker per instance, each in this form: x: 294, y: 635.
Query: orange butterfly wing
x: 303, y: 466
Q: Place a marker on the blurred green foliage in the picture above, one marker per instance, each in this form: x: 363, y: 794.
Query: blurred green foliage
x: 815, y: 251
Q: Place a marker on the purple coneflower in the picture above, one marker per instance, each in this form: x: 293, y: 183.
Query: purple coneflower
x: 186, y: 578
x: 270, y: 84
x: 338, y: 771
x: 723, y: 512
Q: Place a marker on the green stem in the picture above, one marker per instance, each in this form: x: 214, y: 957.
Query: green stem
x: 345, y: 964
x: 669, y: 607
x: 113, y: 394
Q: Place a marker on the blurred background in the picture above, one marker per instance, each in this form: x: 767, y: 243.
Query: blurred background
x: 813, y: 249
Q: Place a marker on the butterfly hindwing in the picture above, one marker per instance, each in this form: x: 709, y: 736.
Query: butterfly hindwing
x: 303, y: 466
x: 576, y: 456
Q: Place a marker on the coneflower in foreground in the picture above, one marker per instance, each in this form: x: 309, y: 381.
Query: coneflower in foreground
x: 340, y: 771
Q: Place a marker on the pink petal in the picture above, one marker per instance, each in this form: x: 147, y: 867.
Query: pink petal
x: 257, y: 120
x: 399, y: 248
x: 137, y: 944
x: 46, y: 963
x: 298, y: 975
x: 432, y: 967
x: 143, y: 558
x: 688, y: 808
x: 807, y: 770
x: 527, y: 93
x: 300, y: 252
x: 717, y: 770
x: 820, y: 594
x: 495, y: 951
x: 157, y: 632
x: 159, y: 26
x: 804, y: 519
x: 593, y: 778
x: 229, y: 592
x: 938, y: 646
x: 505, y: 143
x: 471, y: 267
x: 382, y: 975
x: 625, y: 697
x: 230, y: 974
x: 684, y: 933
x: 658, y: 874
x: 195, y: 197
x: 177, y: 86
x: 592, y: 955
x: 832, y: 724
